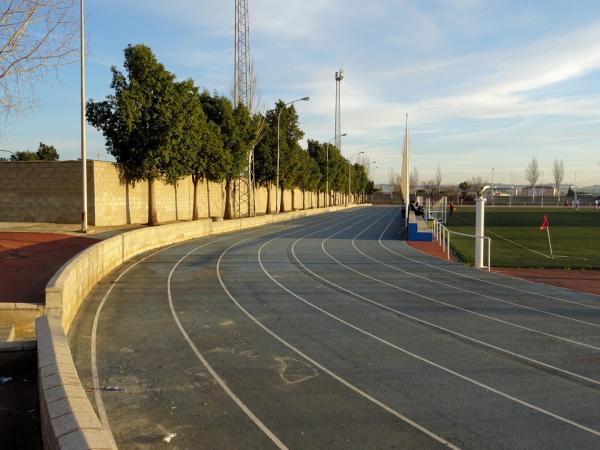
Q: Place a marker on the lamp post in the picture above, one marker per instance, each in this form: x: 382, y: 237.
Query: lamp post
x: 303, y: 99
x: 84, y: 206
x: 349, y: 172
x: 327, y: 168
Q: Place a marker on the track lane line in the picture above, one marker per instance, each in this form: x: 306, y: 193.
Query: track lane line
x: 317, y: 364
x: 534, y: 362
x: 538, y: 294
x: 560, y: 316
x: 432, y: 363
x: 495, y: 319
x: 102, y: 415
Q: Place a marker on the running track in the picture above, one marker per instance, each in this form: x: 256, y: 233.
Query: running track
x: 329, y: 332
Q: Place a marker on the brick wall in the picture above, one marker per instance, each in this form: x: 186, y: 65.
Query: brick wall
x: 41, y: 191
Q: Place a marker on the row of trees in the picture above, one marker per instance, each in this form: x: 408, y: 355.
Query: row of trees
x: 159, y: 128
x: 43, y: 153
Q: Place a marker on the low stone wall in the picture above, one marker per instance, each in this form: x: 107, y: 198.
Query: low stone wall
x: 68, y: 419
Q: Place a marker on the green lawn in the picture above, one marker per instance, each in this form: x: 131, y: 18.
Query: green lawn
x: 518, y: 242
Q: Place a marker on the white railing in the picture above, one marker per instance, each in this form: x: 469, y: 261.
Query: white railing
x: 442, y: 234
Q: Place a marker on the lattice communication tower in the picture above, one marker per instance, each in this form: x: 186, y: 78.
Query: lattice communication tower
x: 243, y: 196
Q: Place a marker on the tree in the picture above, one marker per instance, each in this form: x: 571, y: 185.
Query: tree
x: 43, y: 153
x: 309, y: 177
x: 558, y: 173
x: 318, y: 152
x: 438, y: 180
x: 197, y: 143
x: 25, y: 155
x: 532, y: 174
x: 137, y: 120
x: 429, y: 186
x: 35, y: 36
x: 47, y: 153
x: 476, y: 184
x: 413, y: 181
x: 465, y: 187
x: 238, y: 133
x: 392, y: 182
x: 265, y: 159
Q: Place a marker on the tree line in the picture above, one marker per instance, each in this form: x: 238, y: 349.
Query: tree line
x: 159, y: 128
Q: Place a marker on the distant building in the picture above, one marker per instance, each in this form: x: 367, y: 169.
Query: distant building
x: 547, y: 190
x: 504, y: 190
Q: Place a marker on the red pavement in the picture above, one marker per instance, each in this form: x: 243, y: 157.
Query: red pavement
x: 28, y: 261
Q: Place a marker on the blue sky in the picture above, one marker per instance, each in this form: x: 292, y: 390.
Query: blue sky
x: 486, y: 84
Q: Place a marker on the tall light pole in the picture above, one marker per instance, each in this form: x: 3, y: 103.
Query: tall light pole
x: 303, y: 99
x: 84, y: 206
x: 327, y: 166
x: 349, y: 172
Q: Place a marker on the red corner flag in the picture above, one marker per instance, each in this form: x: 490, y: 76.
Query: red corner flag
x: 544, y: 225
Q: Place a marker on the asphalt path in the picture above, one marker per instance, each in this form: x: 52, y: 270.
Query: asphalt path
x: 330, y: 332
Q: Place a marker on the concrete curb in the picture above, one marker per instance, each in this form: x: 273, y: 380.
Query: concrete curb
x: 68, y: 419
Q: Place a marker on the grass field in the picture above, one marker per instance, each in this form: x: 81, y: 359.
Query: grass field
x: 518, y: 242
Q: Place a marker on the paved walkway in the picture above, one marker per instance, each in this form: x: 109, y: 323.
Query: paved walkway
x: 28, y: 261
x: 30, y: 253
x: 329, y: 332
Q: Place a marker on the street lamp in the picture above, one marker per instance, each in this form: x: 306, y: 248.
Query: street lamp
x: 349, y: 171
x: 303, y: 99
x: 84, y: 204
x: 327, y: 167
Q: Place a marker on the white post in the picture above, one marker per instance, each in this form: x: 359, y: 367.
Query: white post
x: 84, y: 205
x: 479, y: 231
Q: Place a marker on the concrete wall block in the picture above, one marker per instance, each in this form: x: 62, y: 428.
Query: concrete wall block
x: 85, y: 439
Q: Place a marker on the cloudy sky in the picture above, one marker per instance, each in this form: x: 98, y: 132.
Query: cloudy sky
x: 486, y: 84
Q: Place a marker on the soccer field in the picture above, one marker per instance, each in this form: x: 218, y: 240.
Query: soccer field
x: 518, y: 242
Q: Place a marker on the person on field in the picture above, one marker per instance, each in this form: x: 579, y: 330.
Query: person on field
x: 451, y: 208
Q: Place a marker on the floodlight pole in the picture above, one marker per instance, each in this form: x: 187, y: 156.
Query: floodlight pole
x: 303, y: 99
x: 84, y: 205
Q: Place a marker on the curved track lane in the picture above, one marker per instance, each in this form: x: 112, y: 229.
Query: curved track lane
x: 328, y: 332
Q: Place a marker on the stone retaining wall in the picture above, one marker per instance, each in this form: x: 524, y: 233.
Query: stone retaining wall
x: 68, y: 419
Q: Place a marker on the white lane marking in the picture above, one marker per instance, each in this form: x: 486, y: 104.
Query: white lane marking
x: 432, y: 363
x: 495, y: 319
x: 261, y: 426
x: 93, y: 354
x: 320, y: 366
x: 538, y: 294
x: 559, y: 316
x: 439, y: 327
